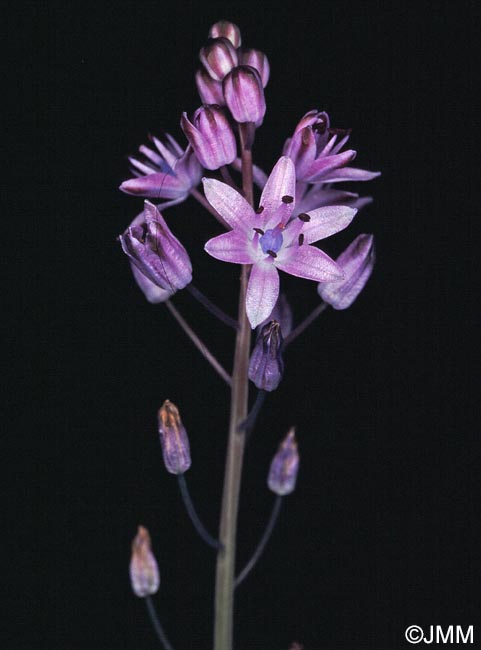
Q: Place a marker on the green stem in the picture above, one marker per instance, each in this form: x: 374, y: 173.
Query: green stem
x: 224, y: 587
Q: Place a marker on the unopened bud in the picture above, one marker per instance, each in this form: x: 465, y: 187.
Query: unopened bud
x: 210, y: 90
x: 284, y: 466
x: 357, y: 262
x: 244, y: 95
x: 266, y: 365
x: 211, y: 136
x: 226, y: 29
x: 219, y: 56
x: 144, y: 571
x: 173, y: 438
x: 258, y: 60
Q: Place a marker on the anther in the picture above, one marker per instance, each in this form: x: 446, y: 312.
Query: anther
x: 287, y: 199
x: 260, y: 209
x: 301, y: 239
x: 271, y: 253
x: 259, y: 231
x: 304, y: 217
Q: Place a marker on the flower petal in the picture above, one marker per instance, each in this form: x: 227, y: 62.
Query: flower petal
x: 323, y: 166
x: 155, y: 186
x: 310, y: 263
x: 231, y: 205
x: 281, y: 183
x: 327, y: 221
x: 232, y: 247
x: 350, y: 174
x: 262, y: 292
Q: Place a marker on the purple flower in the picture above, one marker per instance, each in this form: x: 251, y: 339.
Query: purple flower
x: 219, y: 56
x: 284, y: 467
x: 257, y: 60
x: 211, y: 136
x: 226, y: 29
x: 173, y: 438
x: 168, y: 173
x: 151, y: 291
x: 357, y: 262
x: 244, y: 95
x: 318, y: 155
x: 270, y: 238
x: 210, y: 91
x: 266, y: 366
x: 156, y: 252
x: 144, y: 571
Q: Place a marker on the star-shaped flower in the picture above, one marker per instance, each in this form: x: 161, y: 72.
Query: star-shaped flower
x: 270, y: 238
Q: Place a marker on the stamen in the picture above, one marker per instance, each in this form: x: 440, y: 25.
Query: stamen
x: 320, y: 127
x: 260, y: 209
x: 301, y: 239
x: 304, y: 217
x: 259, y: 231
x: 287, y: 199
x: 271, y: 253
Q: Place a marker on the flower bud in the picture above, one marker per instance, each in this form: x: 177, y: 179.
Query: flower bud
x: 155, y: 251
x: 226, y: 29
x: 284, y: 466
x: 219, y: 56
x: 258, y: 60
x: 151, y: 291
x: 210, y: 90
x: 357, y: 262
x: 244, y: 95
x: 144, y: 571
x: 174, y: 440
x: 211, y: 136
x: 266, y: 366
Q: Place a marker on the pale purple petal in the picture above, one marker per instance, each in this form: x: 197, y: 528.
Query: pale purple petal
x: 322, y: 167
x: 155, y: 186
x: 319, y: 195
x: 152, y: 292
x: 232, y: 247
x: 231, y: 205
x: 262, y: 292
x: 327, y: 221
x: 310, y: 263
x: 280, y: 184
x: 350, y: 174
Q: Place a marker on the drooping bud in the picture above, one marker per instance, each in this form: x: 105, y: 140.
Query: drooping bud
x: 266, y: 365
x: 144, y: 571
x: 282, y: 313
x: 258, y: 60
x: 219, y: 56
x: 284, y: 467
x: 155, y: 251
x: 210, y: 90
x: 211, y: 136
x: 226, y: 29
x: 173, y: 438
x: 357, y: 262
x: 244, y: 95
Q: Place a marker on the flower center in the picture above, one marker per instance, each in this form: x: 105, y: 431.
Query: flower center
x: 271, y: 241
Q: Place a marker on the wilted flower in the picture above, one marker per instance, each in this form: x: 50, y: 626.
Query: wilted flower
x: 211, y: 136
x: 168, y: 173
x: 266, y: 366
x: 173, y: 438
x: 357, y: 262
x: 144, y: 571
x: 269, y: 239
x: 226, y: 29
x: 155, y: 251
x: 318, y: 155
x: 219, y: 56
x: 244, y: 95
x: 282, y: 313
x: 284, y: 467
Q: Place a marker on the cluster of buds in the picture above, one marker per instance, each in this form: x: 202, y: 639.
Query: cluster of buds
x: 232, y: 76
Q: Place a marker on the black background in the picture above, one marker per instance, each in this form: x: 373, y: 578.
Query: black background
x: 380, y: 533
